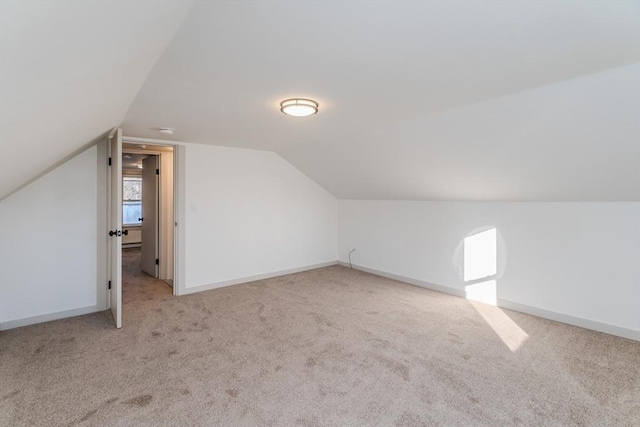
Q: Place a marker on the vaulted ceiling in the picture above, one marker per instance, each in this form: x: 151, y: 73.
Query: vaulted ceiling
x: 69, y: 70
x: 436, y: 100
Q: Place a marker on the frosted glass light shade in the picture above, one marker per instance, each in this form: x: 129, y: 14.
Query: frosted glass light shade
x: 299, y: 107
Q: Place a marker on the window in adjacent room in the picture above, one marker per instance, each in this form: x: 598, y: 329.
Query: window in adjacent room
x: 131, y: 200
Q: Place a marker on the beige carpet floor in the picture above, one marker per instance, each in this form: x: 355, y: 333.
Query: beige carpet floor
x: 331, y: 346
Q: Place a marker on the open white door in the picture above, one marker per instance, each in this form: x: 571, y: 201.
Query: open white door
x: 115, y: 226
x: 149, y: 250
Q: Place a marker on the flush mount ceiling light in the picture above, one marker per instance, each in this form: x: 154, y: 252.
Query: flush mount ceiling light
x: 166, y: 131
x: 299, y: 107
x: 139, y: 165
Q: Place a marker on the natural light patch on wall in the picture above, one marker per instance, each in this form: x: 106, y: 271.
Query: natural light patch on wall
x: 480, y: 255
x: 509, y: 332
x: 480, y: 264
x: 483, y: 292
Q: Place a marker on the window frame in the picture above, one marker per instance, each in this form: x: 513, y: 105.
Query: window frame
x: 131, y: 177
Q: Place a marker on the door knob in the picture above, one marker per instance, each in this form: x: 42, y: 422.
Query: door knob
x: 125, y: 233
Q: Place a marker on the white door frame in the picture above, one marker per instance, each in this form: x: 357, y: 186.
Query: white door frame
x: 178, y: 204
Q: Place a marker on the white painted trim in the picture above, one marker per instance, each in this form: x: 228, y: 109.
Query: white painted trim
x: 149, y: 152
x: 179, y: 215
x: 571, y: 320
x: 166, y: 142
x: 136, y: 140
x: 163, y: 244
x: 257, y: 277
x: 411, y: 281
x: 11, y: 324
x: 510, y: 305
x: 179, y: 211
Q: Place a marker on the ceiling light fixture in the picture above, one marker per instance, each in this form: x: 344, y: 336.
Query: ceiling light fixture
x: 139, y: 165
x: 166, y: 131
x: 299, y: 107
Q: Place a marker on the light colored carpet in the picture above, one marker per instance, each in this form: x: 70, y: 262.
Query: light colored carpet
x: 326, y: 347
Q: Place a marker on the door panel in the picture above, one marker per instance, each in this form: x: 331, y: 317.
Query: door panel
x: 150, y: 215
x: 115, y: 224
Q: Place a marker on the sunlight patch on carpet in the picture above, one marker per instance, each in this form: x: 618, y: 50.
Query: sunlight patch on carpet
x: 509, y: 332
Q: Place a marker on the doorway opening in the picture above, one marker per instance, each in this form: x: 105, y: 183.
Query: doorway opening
x: 143, y: 185
x: 147, y: 213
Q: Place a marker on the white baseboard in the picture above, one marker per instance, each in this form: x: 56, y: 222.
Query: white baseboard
x: 10, y: 324
x: 571, y: 320
x: 248, y: 279
x: 510, y: 305
x: 421, y: 283
x: 535, y: 311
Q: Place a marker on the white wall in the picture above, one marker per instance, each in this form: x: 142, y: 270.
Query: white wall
x: 250, y: 213
x: 576, y: 259
x: 48, y: 239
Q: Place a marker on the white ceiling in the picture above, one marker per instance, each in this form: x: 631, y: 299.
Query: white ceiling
x: 438, y: 100
x: 69, y: 72
x: 418, y: 100
x: 131, y: 161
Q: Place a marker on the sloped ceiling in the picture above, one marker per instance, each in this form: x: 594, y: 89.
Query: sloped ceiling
x: 437, y: 100
x: 69, y: 72
x: 486, y: 100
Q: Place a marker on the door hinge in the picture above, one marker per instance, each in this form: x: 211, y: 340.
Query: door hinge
x: 157, y: 261
x: 109, y: 284
x: 109, y: 161
x: 157, y: 171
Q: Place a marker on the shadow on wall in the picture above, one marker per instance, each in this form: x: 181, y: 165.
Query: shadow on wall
x: 481, y: 270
